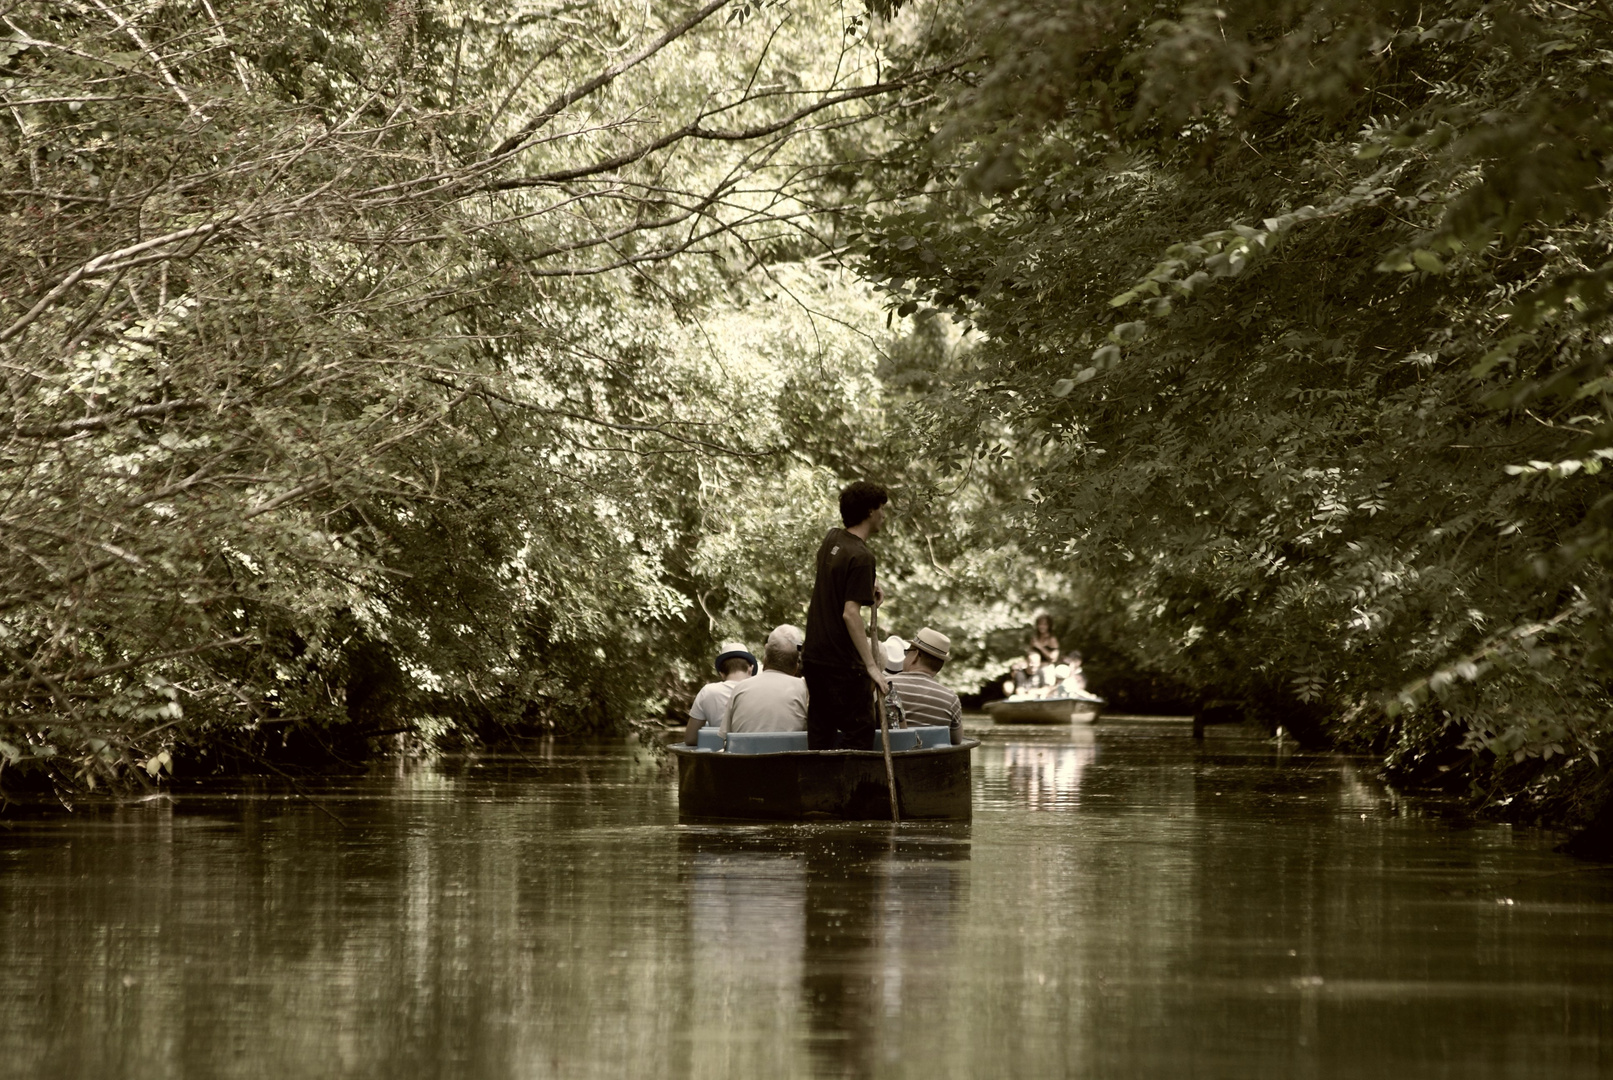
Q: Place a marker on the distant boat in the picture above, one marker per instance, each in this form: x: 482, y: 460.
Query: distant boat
x: 1057, y: 710
x: 796, y: 785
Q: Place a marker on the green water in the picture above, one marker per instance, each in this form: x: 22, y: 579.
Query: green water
x: 1124, y: 904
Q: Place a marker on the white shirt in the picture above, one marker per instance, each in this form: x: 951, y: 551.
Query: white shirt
x: 711, y: 704
x: 771, y: 701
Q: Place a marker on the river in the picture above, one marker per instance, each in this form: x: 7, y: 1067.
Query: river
x: 1125, y: 903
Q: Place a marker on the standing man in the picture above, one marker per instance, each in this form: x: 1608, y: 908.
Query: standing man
x: 838, y: 662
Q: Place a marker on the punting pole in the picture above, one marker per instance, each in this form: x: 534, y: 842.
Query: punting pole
x: 884, y: 720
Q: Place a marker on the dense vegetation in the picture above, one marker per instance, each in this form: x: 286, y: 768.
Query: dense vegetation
x: 450, y: 370
x: 1304, y: 310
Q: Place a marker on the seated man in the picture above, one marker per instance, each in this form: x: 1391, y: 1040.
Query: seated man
x: 1075, y: 684
x: 894, y: 652
x: 1034, y: 678
x: 734, y: 663
x: 776, y: 700
x: 924, y: 700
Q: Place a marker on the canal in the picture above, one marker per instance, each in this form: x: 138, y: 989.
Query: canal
x: 1125, y: 903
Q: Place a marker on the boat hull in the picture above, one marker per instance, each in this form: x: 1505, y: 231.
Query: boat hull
x: 846, y: 785
x: 1045, y: 711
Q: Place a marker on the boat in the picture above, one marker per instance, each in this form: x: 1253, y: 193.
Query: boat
x: 1056, y: 710
x: 932, y: 783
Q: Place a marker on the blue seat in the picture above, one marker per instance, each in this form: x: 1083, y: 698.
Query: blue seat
x: 708, y: 738
x: 933, y: 735
x: 766, y: 742
x: 901, y: 739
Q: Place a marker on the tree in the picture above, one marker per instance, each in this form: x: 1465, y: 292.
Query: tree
x: 358, y: 358
x: 1304, y: 307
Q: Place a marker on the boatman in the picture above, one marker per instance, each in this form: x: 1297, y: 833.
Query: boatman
x: 924, y: 699
x: 838, y: 662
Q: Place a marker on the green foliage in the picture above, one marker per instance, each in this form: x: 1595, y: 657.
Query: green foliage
x: 1306, y: 308
x: 393, y: 367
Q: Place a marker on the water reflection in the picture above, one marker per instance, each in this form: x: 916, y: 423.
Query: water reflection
x: 1046, y: 775
x: 816, y: 936
x: 1134, y: 905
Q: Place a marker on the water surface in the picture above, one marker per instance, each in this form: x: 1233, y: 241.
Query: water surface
x: 1124, y: 904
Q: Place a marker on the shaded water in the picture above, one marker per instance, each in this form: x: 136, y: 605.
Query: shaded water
x: 1123, y: 905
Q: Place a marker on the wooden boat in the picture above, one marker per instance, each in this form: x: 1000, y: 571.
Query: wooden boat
x: 849, y: 785
x: 1059, y: 710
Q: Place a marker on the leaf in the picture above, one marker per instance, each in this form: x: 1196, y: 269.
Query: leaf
x: 1427, y: 260
x: 1502, y: 351
x: 1063, y: 387
x: 1086, y: 374
x: 1128, y: 332
x: 1105, y: 355
x: 1194, y: 283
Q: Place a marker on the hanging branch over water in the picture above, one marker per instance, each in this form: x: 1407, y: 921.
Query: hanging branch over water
x: 304, y: 345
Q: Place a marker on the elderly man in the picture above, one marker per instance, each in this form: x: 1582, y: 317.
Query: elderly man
x: 924, y: 700
x: 734, y: 663
x: 775, y: 700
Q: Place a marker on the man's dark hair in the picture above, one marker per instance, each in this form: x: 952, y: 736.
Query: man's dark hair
x: 859, y: 500
x: 733, y: 664
x: 928, y: 662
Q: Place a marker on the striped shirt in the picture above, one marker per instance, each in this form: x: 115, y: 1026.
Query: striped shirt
x: 925, y: 701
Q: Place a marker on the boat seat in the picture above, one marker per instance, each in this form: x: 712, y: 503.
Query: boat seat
x: 901, y: 739
x: 708, y: 738
x: 766, y: 742
x: 932, y: 735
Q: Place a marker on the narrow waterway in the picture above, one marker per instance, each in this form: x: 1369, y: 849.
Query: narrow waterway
x: 1124, y: 904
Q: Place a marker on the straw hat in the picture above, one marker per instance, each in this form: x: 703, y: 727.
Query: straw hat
x: 932, y: 643
x: 729, y: 651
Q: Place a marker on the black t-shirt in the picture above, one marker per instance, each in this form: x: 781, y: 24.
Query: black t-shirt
x: 845, y: 572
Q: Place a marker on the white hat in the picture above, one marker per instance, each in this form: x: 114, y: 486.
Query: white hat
x: 785, y: 638
x: 732, y: 650
x: 895, y: 652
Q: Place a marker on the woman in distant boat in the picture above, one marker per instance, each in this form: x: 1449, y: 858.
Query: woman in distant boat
x: 1042, y: 642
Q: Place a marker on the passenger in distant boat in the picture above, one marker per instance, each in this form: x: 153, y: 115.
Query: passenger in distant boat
x: 839, y: 666
x: 1042, y: 642
x: 1074, y: 683
x: 924, y: 700
x: 1061, y: 676
x: 776, y: 700
x: 1032, y: 679
x: 734, y: 663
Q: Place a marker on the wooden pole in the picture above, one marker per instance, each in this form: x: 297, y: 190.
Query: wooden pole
x: 884, y: 720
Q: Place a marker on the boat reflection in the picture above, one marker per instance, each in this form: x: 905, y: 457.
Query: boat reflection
x: 814, y: 935
x: 1047, y: 775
